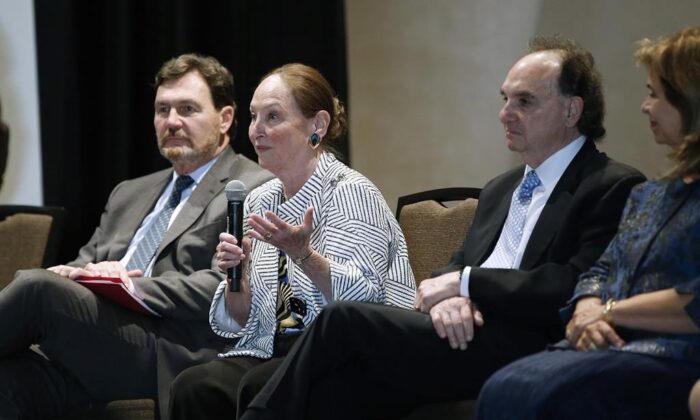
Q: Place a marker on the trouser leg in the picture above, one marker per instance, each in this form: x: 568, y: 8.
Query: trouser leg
x: 394, y: 352
x: 585, y: 385
x: 108, y: 350
x: 209, y: 390
x: 253, y: 381
x: 31, y: 387
x: 222, y: 388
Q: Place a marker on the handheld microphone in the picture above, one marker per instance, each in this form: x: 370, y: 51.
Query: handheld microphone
x: 235, y: 194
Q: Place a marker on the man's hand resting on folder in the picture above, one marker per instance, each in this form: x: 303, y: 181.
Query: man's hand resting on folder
x: 101, y: 269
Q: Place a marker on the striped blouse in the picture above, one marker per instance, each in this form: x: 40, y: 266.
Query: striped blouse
x: 353, y: 228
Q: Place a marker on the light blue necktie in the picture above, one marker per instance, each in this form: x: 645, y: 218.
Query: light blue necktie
x: 503, y: 254
x: 146, y: 249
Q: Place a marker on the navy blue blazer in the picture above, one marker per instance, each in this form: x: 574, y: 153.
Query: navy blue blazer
x: 657, y: 247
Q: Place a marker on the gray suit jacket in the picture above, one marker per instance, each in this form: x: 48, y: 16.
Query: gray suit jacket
x: 184, y: 277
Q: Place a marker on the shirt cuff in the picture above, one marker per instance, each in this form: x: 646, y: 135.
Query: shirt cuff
x: 133, y: 290
x: 464, y: 282
x: 225, y: 321
x: 131, y: 287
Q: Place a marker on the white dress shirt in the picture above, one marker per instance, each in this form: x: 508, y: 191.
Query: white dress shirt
x: 549, y: 172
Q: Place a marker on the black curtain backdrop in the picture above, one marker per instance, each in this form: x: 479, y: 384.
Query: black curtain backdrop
x: 97, y: 61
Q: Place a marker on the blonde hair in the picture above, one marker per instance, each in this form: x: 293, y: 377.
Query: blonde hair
x: 675, y: 60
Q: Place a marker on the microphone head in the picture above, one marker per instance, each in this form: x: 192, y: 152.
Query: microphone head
x: 235, y: 191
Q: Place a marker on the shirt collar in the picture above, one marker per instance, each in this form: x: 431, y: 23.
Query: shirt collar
x: 553, y: 168
x: 199, y: 173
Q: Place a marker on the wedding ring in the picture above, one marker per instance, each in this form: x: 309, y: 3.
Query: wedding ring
x: 592, y: 346
x: 268, y: 236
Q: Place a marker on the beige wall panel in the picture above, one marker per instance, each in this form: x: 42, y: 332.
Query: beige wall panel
x: 424, y: 79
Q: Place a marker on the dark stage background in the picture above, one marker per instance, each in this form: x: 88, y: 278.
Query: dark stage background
x: 97, y: 61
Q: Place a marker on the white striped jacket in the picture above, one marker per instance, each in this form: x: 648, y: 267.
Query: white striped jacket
x: 353, y: 228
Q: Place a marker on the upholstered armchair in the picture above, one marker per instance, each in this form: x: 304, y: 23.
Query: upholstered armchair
x: 30, y: 238
x: 435, y: 223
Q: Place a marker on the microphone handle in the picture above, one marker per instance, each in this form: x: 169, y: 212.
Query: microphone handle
x: 235, y: 228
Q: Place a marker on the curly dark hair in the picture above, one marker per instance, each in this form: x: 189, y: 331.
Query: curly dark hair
x: 578, y: 77
x: 218, y: 78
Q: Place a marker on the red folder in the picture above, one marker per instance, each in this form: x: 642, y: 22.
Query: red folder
x: 115, y: 290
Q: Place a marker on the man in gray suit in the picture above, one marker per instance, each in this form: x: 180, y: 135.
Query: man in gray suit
x: 158, y: 234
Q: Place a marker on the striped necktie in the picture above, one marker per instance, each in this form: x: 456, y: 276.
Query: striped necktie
x: 146, y: 249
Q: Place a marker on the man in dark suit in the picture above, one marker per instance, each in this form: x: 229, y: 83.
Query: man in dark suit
x: 536, y: 228
x: 158, y: 234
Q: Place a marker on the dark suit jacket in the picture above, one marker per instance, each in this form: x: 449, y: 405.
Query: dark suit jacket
x: 184, y: 278
x: 575, y: 226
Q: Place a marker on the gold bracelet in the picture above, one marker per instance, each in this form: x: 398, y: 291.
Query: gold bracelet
x: 608, y: 312
x: 302, y: 260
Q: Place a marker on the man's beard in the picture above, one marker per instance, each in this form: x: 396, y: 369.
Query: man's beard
x: 188, y: 154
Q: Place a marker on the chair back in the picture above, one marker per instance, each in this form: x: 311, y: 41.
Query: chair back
x: 435, y: 223
x: 29, y: 238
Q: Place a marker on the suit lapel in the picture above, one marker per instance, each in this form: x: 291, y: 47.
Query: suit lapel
x: 211, y: 185
x: 139, y: 211
x: 673, y: 207
x: 550, y: 220
x: 484, y: 239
